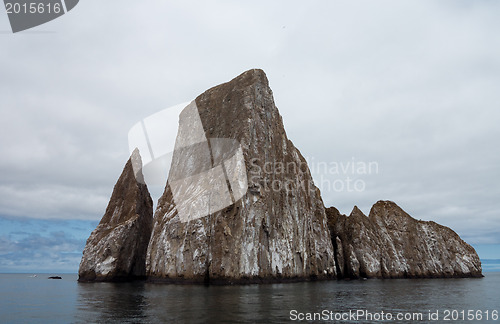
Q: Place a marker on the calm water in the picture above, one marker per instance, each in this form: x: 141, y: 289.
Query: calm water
x: 38, y: 300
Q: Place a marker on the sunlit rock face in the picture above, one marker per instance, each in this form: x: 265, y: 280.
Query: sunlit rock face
x: 240, y: 204
x: 389, y: 243
x: 116, y: 249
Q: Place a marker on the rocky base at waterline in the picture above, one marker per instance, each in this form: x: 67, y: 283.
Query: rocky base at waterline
x: 389, y: 243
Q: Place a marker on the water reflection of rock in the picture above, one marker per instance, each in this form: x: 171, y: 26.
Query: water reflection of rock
x: 111, y: 303
x: 227, y: 304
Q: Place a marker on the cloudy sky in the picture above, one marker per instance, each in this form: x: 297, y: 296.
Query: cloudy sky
x: 409, y: 86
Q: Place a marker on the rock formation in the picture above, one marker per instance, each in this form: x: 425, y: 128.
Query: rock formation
x: 389, y: 243
x: 240, y: 204
x: 116, y: 249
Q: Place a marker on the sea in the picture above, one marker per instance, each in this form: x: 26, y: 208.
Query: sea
x: 25, y: 298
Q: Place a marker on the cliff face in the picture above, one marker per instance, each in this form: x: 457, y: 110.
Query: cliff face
x: 240, y: 204
x: 391, y: 244
x: 116, y: 249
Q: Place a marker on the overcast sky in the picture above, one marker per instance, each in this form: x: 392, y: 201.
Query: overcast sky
x: 412, y: 86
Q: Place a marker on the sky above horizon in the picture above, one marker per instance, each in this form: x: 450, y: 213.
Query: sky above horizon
x: 411, y: 87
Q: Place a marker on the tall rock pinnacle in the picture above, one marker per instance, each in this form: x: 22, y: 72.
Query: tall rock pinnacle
x: 116, y: 249
x: 240, y: 204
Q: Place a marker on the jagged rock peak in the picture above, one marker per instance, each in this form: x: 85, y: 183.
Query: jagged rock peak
x: 116, y: 249
x: 356, y: 212
x: 386, y: 209
x: 220, y: 219
x: 389, y: 243
x: 136, y: 161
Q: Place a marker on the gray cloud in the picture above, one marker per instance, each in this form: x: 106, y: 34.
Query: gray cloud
x: 410, y: 85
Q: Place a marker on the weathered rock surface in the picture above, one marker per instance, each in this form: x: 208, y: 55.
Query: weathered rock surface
x: 116, y: 249
x: 240, y: 204
x: 391, y: 244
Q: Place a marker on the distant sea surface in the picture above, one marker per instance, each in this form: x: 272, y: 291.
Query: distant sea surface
x: 25, y: 299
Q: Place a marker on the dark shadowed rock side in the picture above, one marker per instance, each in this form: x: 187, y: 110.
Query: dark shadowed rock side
x: 389, y: 243
x: 116, y: 249
x: 262, y: 232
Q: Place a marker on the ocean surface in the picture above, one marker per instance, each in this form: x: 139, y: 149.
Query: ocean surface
x: 25, y: 299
